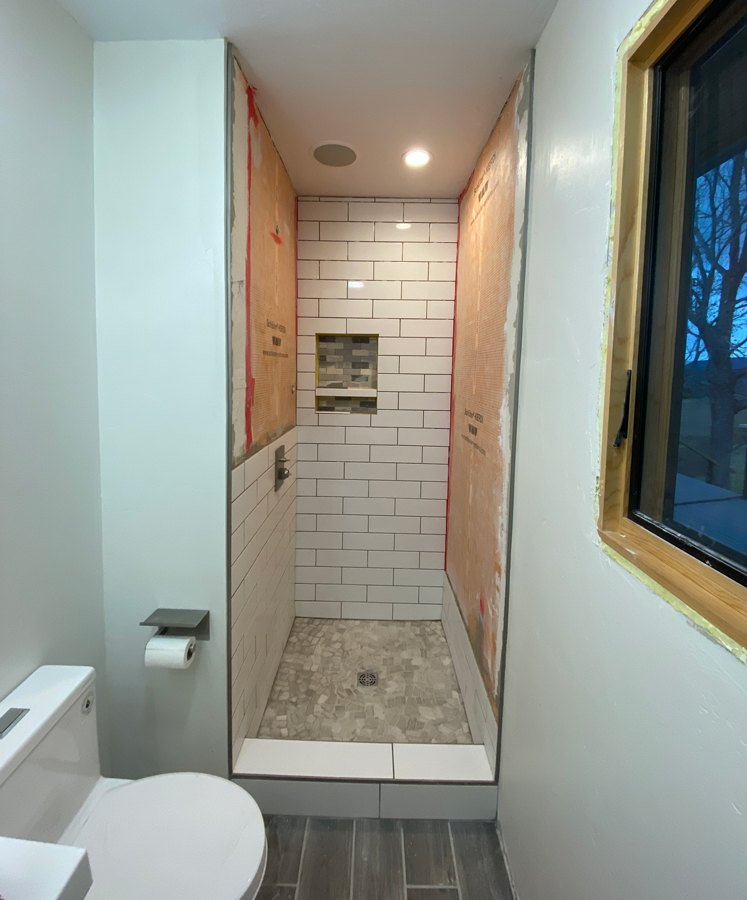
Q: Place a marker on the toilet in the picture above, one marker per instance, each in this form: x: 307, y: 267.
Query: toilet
x: 182, y: 835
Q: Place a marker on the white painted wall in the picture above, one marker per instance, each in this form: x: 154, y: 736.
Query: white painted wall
x: 624, y: 765
x: 50, y: 523
x: 160, y: 241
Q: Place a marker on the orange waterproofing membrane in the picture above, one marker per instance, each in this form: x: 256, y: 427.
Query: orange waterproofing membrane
x: 489, y: 287
x: 263, y: 281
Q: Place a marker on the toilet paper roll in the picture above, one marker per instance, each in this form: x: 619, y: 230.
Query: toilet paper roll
x: 165, y: 651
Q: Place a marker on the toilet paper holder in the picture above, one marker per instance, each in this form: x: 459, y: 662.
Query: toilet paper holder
x: 181, y: 622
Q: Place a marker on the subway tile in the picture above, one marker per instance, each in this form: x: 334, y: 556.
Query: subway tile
x: 404, y: 271
x: 330, y: 505
x: 355, y: 309
x: 306, y: 343
x: 440, y: 309
x: 255, y: 465
x: 322, y: 211
x: 396, y: 454
x: 308, y: 231
x: 388, y: 231
x: 444, y: 233
x: 394, y: 524
x: 320, y: 326
x: 419, y: 577
x: 430, y: 560
x: 305, y: 592
x: 355, y: 435
x: 439, y: 384
x: 322, y: 434
x: 376, y: 212
x: 439, y: 346
x: 307, y: 268
x: 407, y: 472
x: 332, y: 418
x: 424, y: 328
x: 341, y: 558
x: 369, y: 506
x: 315, y: 609
x: 371, y: 471
x: 388, y: 365
x: 413, y: 400
x: 392, y: 594
x: 411, y: 382
x: 426, y: 365
x: 436, y: 419
x: 237, y: 482
x: 394, y: 488
x: 431, y: 212
x: 318, y: 575
x: 344, y: 452
x: 434, y: 525
x: 317, y: 289
x: 399, y: 346
x: 367, y: 576
x: 308, y: 469
x: 343, y: 523
x: 308, y: 307
x: 322, y: 250
x: 441, y: 271
x: 305, y: 362
x: 387, y: 399
x: 400, y: 309
x: 412, y: 611
x: 346, y: 270
x: 346, y: 231
x: 430, y: 594
x: 375, y: 290
x: 392, y: 559
x: 430, y: 542
x: 319, y: 540
x: 306, y: 381
x: 342, y: 593
x: 306, y: 522
x: 367, y: 611
x: 428, y: 290
x: 438, y: 455
x: 342, y: 488
x: 421, y: 508
x: 360, y: 541
x: 305, y: 557
x: 423, y: 437
x: 306, y: 487
x: 379, y: 251
x: 430, y: 252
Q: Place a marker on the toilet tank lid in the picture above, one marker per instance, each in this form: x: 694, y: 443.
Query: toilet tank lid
x: 47, y: 693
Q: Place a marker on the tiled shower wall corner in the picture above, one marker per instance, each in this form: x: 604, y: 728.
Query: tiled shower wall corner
x: 372, y: 488
x: 480, y: 715
x: 263, y: 541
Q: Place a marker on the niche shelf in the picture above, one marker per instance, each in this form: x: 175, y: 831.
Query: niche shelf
x: 346, y: 373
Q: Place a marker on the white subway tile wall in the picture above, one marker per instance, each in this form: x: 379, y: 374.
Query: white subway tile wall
x: 263, y: 547
x: 372, y: 488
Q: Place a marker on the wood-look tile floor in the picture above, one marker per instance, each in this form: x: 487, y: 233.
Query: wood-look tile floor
x: 316, y: 696
x: 382, y: 859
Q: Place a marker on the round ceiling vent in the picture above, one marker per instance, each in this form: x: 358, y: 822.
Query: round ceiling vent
x: 336, y: 155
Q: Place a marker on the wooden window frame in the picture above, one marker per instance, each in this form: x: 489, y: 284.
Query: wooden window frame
x: 714, y: 596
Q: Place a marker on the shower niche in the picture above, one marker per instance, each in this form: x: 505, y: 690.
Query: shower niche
x: 346, y: 373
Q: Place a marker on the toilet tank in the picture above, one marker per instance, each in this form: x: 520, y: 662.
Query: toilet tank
x: 49, y: 759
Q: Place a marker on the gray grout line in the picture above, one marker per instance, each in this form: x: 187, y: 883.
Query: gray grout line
x: 454, y: 860
x: 303, y: 853
x: 352, y: 861
x: 404, y: 862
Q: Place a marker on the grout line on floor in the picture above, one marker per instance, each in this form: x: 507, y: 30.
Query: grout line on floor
x: 352, y: 861
x: 303, y: 853
x: 454, y: 860
x: 404, y: 859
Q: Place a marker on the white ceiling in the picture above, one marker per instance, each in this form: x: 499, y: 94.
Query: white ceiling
x: 380, y: 75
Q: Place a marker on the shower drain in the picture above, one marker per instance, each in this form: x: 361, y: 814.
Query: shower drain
x: 368, y: 679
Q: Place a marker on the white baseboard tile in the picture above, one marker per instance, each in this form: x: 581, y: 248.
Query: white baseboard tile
x: 441, y: 762
x: 439, y: 801
x: 315, y: 759
x: 346, y: 799
x: 480, y: 716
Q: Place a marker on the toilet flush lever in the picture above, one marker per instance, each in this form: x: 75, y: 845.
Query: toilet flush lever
x: 10, y: 719
x: 281, y: 472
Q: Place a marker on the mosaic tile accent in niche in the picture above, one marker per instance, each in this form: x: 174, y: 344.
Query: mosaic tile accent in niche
x: 346, y: 360
x: 316, y: 695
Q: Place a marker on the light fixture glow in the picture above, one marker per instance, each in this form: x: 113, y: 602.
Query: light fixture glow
x: 403, y: 226
x: 355, y: 285
x: 417, y: 158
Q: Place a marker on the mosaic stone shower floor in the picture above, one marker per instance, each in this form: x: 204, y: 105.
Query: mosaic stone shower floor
x: 316, y: 694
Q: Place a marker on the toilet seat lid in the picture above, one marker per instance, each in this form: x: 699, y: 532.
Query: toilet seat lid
x: 183, y: 835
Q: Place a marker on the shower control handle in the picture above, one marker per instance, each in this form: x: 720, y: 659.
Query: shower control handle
x: 281, y: 472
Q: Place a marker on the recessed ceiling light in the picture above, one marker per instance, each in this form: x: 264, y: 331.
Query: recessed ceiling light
x: 403, y: 226
x: 417, y: 158
x: 334, y: 154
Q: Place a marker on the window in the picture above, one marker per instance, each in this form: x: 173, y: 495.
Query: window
x: 675, y: 463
